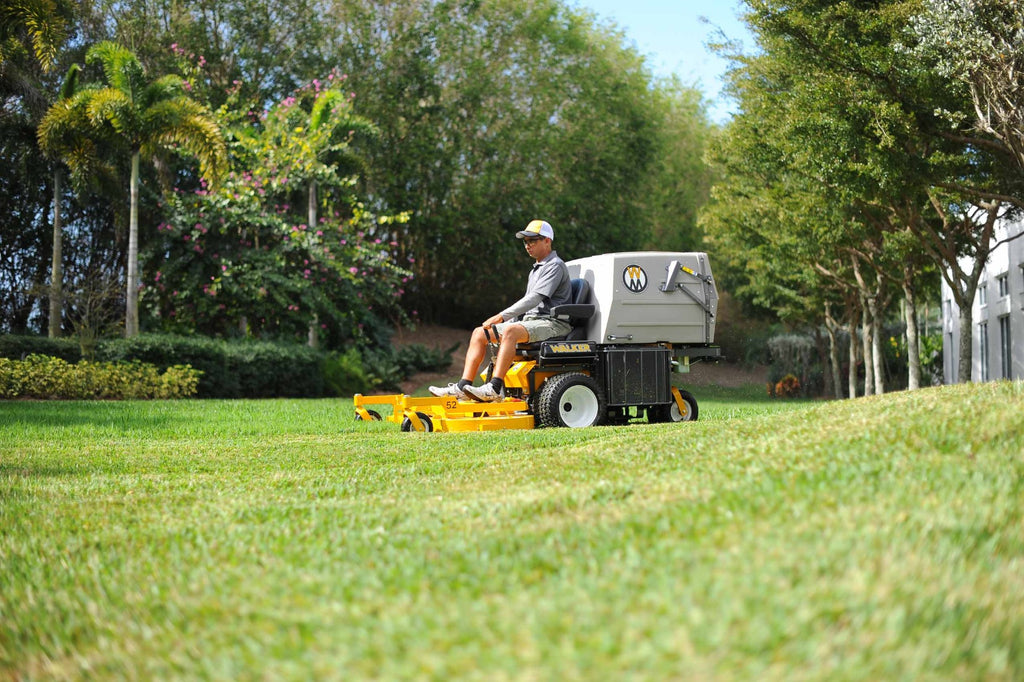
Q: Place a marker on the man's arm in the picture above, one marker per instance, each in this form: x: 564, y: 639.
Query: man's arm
x: 540, y: 290
x: 527, y: 303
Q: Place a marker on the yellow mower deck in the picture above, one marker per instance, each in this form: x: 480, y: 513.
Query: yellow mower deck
x: 446, y: 414
x: 450, y: 414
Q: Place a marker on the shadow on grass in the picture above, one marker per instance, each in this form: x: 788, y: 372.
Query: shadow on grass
x: 118, y: 416
x: 35, y: 470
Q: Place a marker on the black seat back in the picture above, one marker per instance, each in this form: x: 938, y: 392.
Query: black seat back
x: 578, y: 310
x: 580, y: 291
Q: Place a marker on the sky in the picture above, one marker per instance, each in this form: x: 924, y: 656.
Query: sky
x: 672, y: 36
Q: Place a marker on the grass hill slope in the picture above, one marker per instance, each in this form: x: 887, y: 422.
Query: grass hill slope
x: 879, y: 538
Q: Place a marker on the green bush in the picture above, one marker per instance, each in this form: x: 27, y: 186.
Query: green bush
x: 253, y: 369
x: 419, y: 358
x: 19, y: 347
x: 238, y: 369
x: 47, y: 378
x: 345, y: 373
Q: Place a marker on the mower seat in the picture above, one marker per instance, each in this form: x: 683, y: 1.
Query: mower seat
x: 576, y: 312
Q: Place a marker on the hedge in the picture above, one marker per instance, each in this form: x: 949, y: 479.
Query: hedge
x: 18, y: 347
x: 251, y: 369
x: 47, y: 378
x: 239, y: 369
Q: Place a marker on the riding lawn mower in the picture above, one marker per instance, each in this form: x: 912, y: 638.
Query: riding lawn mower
x: 636, y: 317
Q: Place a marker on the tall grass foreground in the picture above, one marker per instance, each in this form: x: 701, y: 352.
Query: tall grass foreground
x: 880, y: 538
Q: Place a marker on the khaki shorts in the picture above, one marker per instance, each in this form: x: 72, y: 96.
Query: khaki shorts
x: 540, y: 327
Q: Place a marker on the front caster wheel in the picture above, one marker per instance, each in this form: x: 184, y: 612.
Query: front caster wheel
x: 671, y: 413
x: 428, y: 425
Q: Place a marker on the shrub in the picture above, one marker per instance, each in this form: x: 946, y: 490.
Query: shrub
x: 787, y: 387
x: 345, y: 374
x: 419, y: 358
x: 253, y: 369
x: 239, y: 369
x: 19, y: 347
x: 44, y: 377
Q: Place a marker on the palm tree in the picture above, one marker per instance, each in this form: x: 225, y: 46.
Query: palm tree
x: 148, y: 116
x: 331, y: 113
x: 62, y: 135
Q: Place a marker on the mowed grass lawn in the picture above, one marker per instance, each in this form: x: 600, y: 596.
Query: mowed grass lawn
x: 879, y: 538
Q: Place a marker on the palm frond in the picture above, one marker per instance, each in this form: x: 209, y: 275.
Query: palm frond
x: 186, y: 125
x: 122, y: 69
x: 42, y: 22
x: 164, y: 88
x: 65, y: 121
x: 116, y: 108
x: 70, y: 83
x: 325, y: 104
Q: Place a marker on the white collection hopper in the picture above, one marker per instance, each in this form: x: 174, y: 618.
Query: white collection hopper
x: 650, y: 297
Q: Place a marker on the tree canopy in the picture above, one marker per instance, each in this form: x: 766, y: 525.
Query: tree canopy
x: 452, y: 124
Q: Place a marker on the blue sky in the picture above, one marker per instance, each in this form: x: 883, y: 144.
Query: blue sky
x: 672, y: 36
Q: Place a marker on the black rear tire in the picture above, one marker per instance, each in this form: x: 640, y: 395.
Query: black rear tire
x: 572, y: 399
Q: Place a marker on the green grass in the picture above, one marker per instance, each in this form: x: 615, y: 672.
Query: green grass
x: 872, y: 539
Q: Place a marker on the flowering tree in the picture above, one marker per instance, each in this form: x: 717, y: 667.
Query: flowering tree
x: 247, y: 255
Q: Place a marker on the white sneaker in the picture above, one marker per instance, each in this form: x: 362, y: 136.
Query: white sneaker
x: 485, y: 393
x: 449, y: 390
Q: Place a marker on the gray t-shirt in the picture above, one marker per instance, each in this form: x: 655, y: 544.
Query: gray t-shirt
x: 547, y: 287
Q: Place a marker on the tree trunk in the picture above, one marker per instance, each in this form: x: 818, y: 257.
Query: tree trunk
x: 833, y: 327
x: 913, y: 345
x: 875, y: 342
x: 851, y: 374
x: 56, y: 262
x: 131, y: 318
x: 313, y: 339
x: 867, y: 333
x: 878, y: 359
x: 965, y: 361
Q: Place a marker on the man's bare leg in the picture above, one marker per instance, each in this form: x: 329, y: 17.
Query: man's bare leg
x: 475, y: 354
x: 514, y: 334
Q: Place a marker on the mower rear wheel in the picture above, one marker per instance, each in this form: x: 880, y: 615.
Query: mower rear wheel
x: 572, y: 399
x: 671, y: 414
x: 374, y: 416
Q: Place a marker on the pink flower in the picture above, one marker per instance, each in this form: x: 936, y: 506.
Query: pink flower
x: 353, y: 270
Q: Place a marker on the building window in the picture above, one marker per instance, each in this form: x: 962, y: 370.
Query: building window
x: 1005, y: 347
x: 983, y: 350
x: 983, y: 294
x: 1003, y: 282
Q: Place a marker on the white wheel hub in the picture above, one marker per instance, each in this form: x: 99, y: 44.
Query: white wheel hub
x: 578, y: 406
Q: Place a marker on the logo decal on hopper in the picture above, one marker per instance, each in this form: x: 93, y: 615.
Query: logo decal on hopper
x: 635, y: 279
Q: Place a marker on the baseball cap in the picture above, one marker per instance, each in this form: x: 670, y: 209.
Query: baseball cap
x: 537, y: 228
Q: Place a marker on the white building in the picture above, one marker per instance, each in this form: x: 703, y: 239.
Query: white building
x: 998, y: 335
